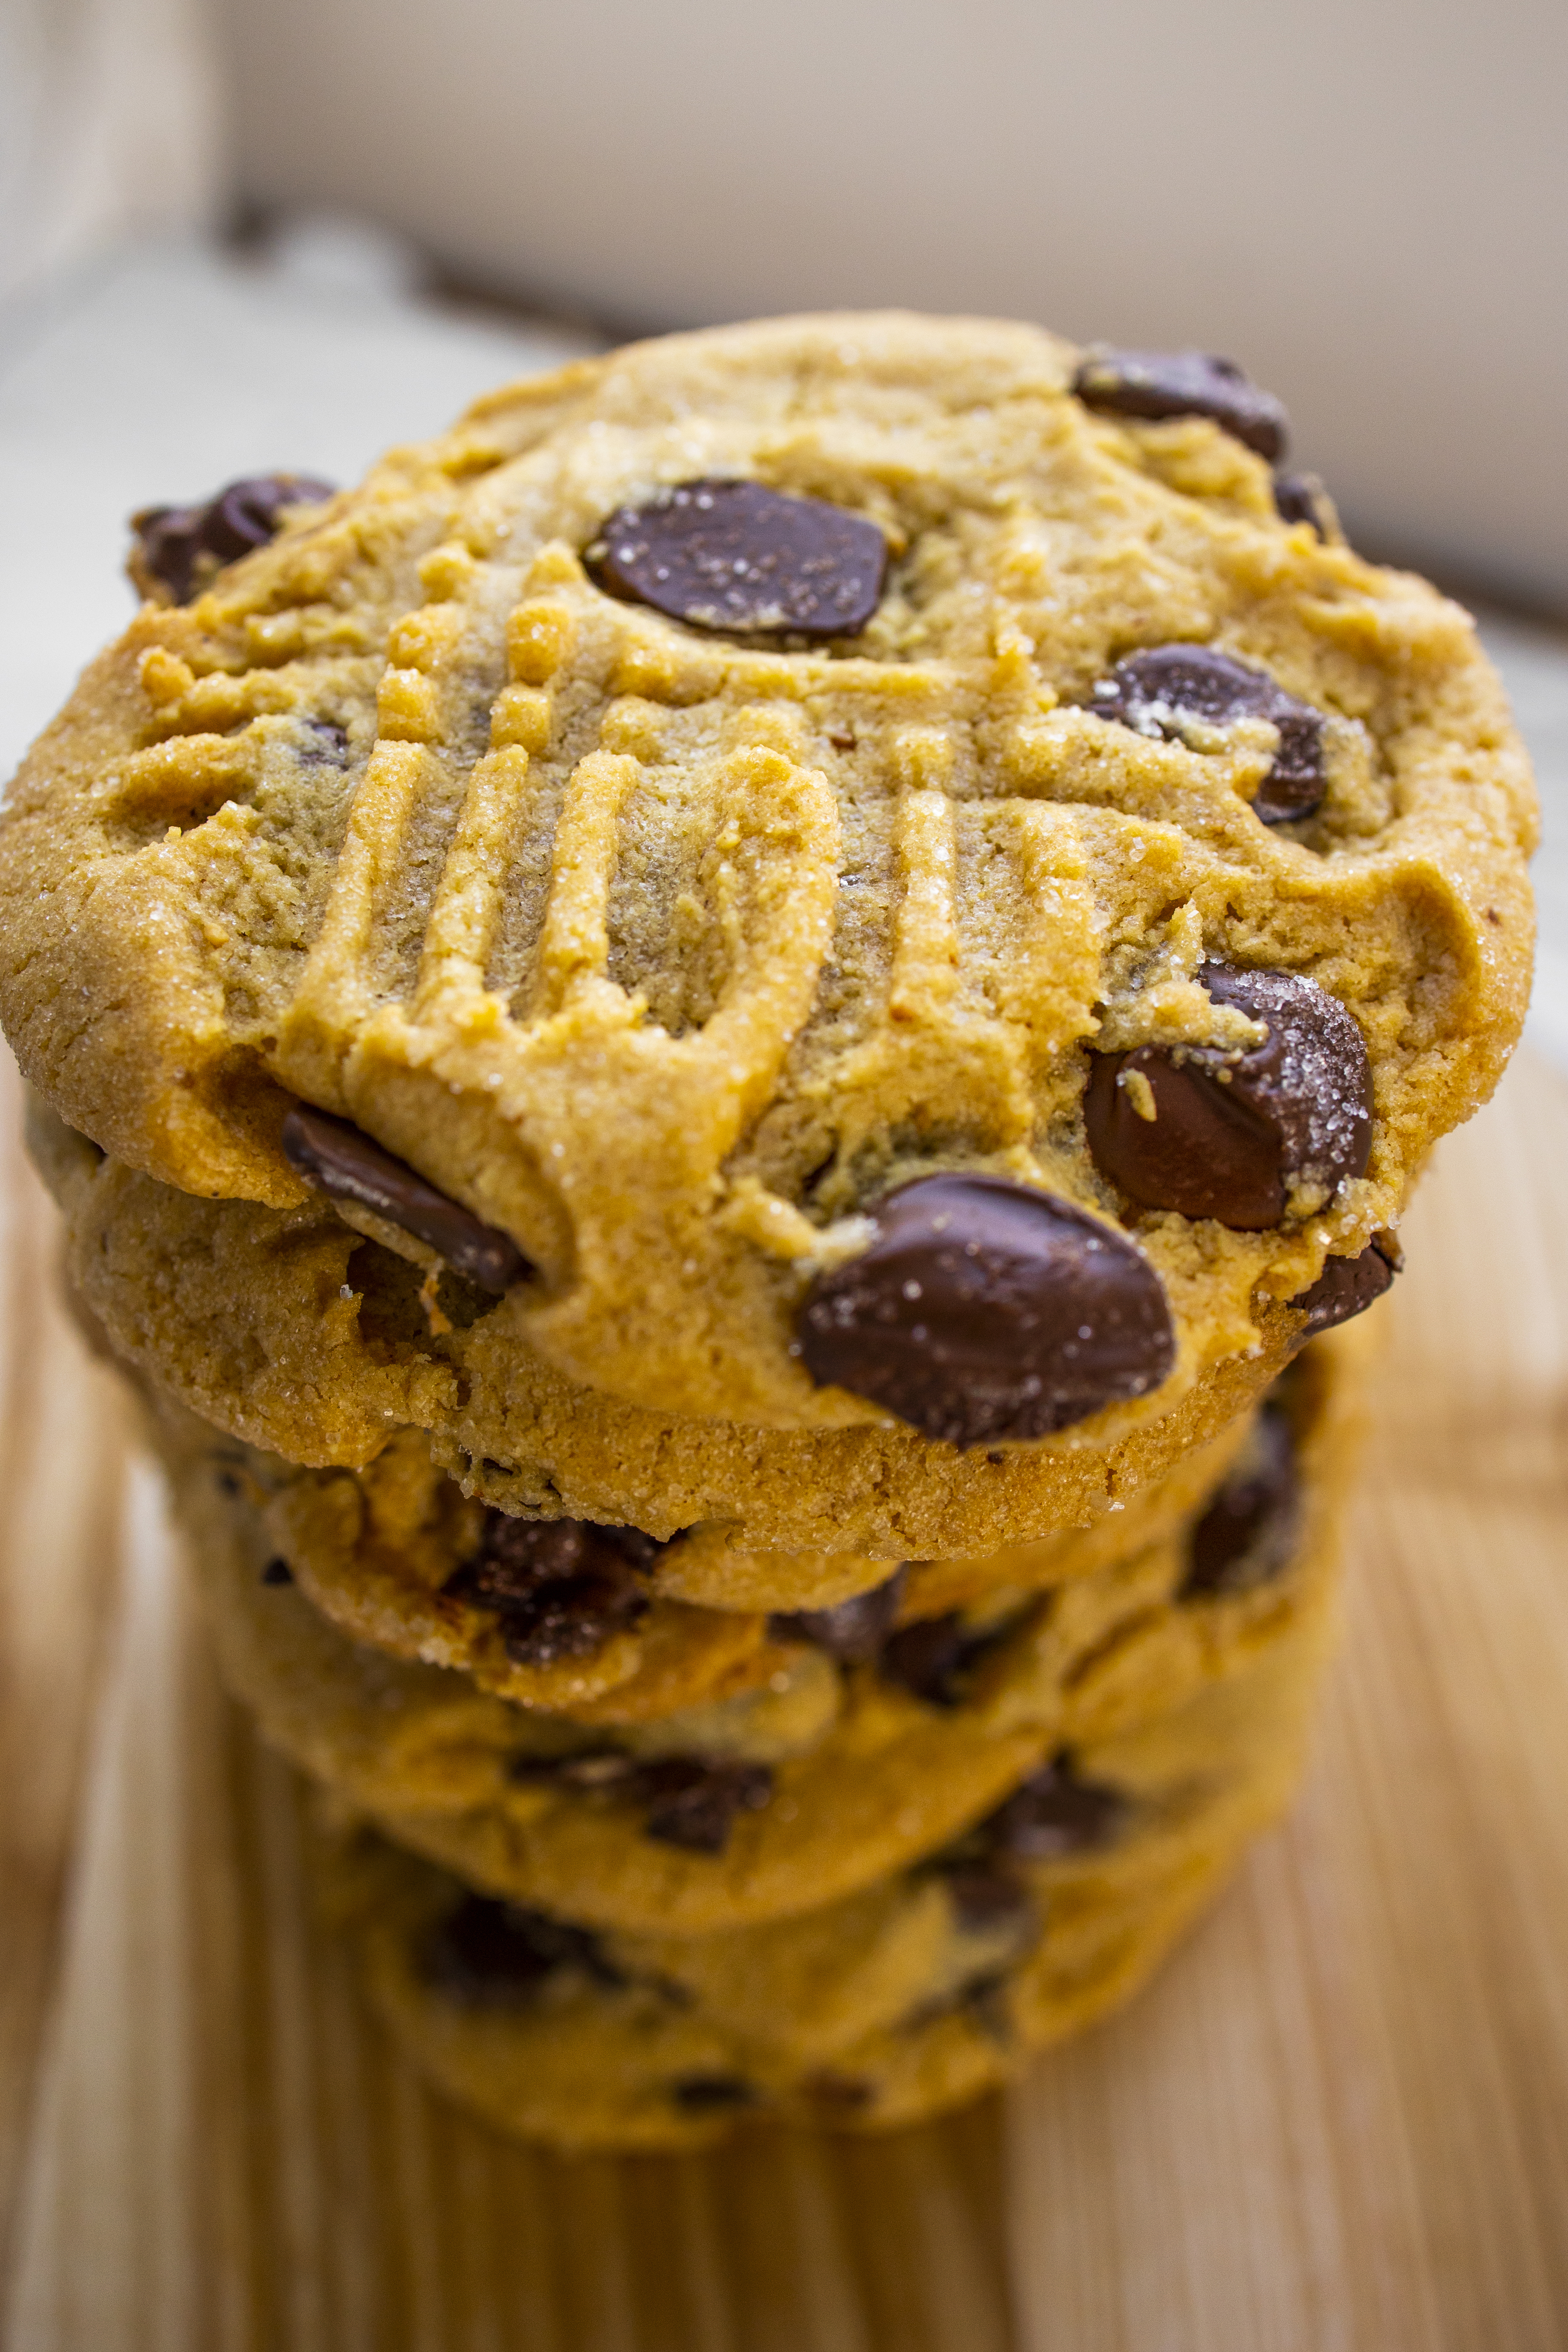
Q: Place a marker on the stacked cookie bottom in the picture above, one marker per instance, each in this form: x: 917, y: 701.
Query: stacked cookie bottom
x: 620, y: 1870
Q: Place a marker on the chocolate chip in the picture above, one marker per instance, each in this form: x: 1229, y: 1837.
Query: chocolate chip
x: 571, y: 1620
x: 839, y: 2093
x: 853, y: 1630
x: 694, y: 1804
x: 326, y: 744
x: 561, y: 1587
x: 1248, y: 1532
x: 1054, y: 1813
x: 1166, y: 689
x: 690, y: 1801
x: 341, y: 1161
x: 734, y: 555
x: 177, y: 550
x: 278, y: 1571
x: 491, y: 1954
x: 1301, y: 497
x: 1233, y: 1129
x: 1185, y: 384
x: 928, y: 1658
x: 987, y: 1900
x: 1347, y: 1286
x: 712, y: 2095
x: 985, y: 1310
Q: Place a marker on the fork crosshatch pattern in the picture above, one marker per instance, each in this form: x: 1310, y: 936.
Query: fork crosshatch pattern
x: 667, y: 951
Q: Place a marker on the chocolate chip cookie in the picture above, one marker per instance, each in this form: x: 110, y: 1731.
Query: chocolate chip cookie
x: 897, y: 2002
x: 844, y: 895
x: 872, y: 1742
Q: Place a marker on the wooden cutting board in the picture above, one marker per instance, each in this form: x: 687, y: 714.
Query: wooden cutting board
x: 1339, y: 2120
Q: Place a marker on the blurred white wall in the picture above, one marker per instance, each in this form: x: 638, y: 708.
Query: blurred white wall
x: 110, y: 129
x: 1363, y: 200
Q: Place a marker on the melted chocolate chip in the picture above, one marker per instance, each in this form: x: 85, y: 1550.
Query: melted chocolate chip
x: 839, y: 2093
x: 1054, y: 1813
x: 278, y: 1571
x: 1232, y: 1129
x: 1185, y: 384
x: 929, y: 1657
x: 491, y: 1954
x: 1347, y: 1286
x: 987, y: 1900
x: 1301, y: 497
x: 853, y: 1630
x: 1247, y: 1534
x: 712, y: 2095
x: 733, y: 555
x: 694, y: 1804
x: 177, y: 550
x: 1166, y: 689
x: 985, y: 1310
x: 341, y: 1161
x: 561, y: 1587
x: 690, y: 1801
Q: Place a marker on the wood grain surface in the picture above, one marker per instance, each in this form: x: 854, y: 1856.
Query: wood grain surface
x: 1339, y: 2120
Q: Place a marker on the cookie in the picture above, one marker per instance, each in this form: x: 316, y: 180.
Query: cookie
x: 579, y: 1619
x: 334, y: 1329
x: 906, y: 1998
x: 681, y: 854
x: 774, y: 1802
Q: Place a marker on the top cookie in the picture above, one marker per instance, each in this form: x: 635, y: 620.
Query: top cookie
x: 851, y: 877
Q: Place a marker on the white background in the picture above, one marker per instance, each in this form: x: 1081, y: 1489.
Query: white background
x: 1364, y: 201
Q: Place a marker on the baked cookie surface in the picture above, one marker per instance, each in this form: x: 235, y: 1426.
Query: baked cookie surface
x: 659, y: 891
x: 908, y: 1997
x: 833, y: 1771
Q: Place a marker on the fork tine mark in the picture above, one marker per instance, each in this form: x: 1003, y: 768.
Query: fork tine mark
x: 334, y: 998
x: 574, y: 945
x: 466, y: 910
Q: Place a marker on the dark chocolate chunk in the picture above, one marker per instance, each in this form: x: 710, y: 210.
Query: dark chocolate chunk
x: 852, y: 1630
x: 1347, y: 1286
x: 1301, y: 497
x: 492, y: 1953
x: 985, y: 1310
x: 570, y: 1620
x: 1165, y: 689
x: 690, y: 1801
x: 562, y: 1587
x: 278, y: 1571
x: 733, y: 555
x: 326, y: 744
x: 1248, y: 1532
x: 712, y: 2095
x: 694, y: 1803
x: 340, y: 1160
x: 1185, y: 384
x: 1233, y: 1129
x: 928, y: 1658
x: 1054, y: 1812
x: 839, y: 2093
x: 177, y: 550
x: 987, y: 1900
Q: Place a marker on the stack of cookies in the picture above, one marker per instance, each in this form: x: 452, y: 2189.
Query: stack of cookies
x: 727, y: 1055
